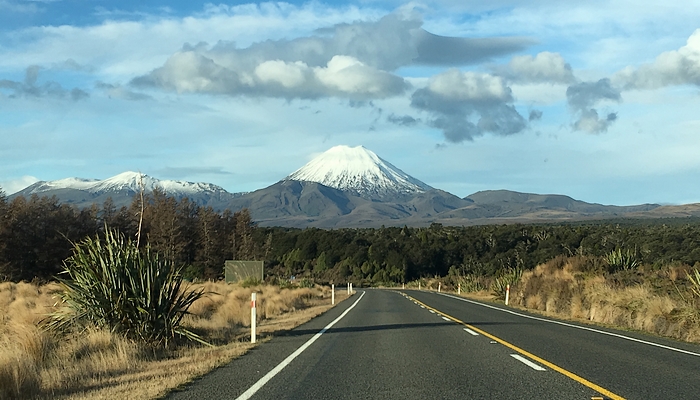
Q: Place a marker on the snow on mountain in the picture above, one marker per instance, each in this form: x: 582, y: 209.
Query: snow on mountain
x: 126, y: 181
x: 358, y: 170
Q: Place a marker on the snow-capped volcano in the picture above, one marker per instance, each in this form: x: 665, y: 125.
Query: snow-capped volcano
x: 358, y: 170
x: 124, y: 182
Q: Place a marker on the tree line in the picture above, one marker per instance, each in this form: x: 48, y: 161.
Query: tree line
x: 37, y: 234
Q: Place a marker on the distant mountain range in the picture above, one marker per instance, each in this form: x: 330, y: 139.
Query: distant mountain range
x: 353, y: 187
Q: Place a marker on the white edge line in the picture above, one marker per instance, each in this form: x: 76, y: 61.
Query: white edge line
x: 527, y: 362
x: 617, y: 335
x: 471, y: 332
x: 262, y: 381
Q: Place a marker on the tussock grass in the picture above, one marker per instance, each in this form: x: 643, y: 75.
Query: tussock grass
x: 661, y: 302
x: 97, y: 363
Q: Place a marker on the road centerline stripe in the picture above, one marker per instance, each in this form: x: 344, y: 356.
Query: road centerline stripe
x: 531, y: 356
x: 527, y: 362
x: 262, y: 381
x: 585, y: 328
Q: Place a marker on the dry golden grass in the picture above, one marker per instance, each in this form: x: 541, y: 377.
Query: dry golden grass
x: 565, y: 288
x: 97, y: 364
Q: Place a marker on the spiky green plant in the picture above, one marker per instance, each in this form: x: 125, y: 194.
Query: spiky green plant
x: 113, y: 284
x: 471, y: 283
x: 617, y: 260
x: 510, y: 276
x: 694, y: 279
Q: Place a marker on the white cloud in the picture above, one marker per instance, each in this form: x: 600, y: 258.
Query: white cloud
x: 676, y: 67
x: 545, y: 67
x: 470, y: 86
x: 344, y: 77
x: 289, y: 75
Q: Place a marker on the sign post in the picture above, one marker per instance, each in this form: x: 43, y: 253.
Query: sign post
x: 252, y: 316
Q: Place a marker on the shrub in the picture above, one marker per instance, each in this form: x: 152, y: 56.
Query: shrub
x: 471, y: 283
x: 511, y: 276
x: 617, y: 260
x: 306, y: 283
x: 694, y: 279
x: 251, y: 281
x: 115, y: 285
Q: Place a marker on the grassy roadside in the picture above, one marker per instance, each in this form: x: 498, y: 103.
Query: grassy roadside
x: 98, y: 364
x: 661, y: 301
x: 657, y: 301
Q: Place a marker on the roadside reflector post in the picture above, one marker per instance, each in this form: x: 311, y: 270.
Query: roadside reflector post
x: 418, y: 285
x: 350, y: 287
x: 459, y: 288
x: 332, y: 294
x: 439, y: 286
x: 253, y: 298
x: 507, y: 293
x: 403, y: 286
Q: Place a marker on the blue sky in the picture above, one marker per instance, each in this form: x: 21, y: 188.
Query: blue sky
x: 598, y: 101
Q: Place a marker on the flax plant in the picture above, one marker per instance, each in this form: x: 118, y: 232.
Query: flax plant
x: 113, y: 284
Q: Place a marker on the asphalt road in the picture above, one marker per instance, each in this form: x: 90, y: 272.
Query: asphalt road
x: 423, y: 345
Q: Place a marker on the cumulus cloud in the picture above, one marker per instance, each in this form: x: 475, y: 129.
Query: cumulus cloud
x: 465, y: 105
x: 583, y: 96
x: 31, y: 88
x: 545, y: 67
x: 352, y: 61
x: 677, y: 67
x: 343, y: 76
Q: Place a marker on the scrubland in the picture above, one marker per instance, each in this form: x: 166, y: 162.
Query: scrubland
x: 99, y: 364
x: 662, y: 301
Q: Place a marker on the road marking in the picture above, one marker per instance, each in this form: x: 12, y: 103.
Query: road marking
x: 529, y: 355
x: 471, y: 332
x: 617, y: 335
x: 527, y: 362
x: 431, y: 311
x: 262, y: 381
x: 446, y: 319
x: 422, y: 306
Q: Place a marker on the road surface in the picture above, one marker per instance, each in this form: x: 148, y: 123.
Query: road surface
x: 405, y: 344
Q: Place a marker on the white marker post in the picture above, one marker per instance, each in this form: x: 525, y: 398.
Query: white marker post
x: 332, y: 294
x: 418, y: 285
x: 439, y: 286
x: 507, y: 293
x: 252, y: 317
x: 459, y: 288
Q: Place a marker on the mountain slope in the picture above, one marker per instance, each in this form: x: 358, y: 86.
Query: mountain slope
x: 359, y: 171
x: 121, y: 188
x: 507, y: 203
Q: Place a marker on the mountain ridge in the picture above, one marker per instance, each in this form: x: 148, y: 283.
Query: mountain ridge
x: 351, y: 187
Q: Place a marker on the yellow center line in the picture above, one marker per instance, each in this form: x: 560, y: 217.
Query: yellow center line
x: 554, y: 367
